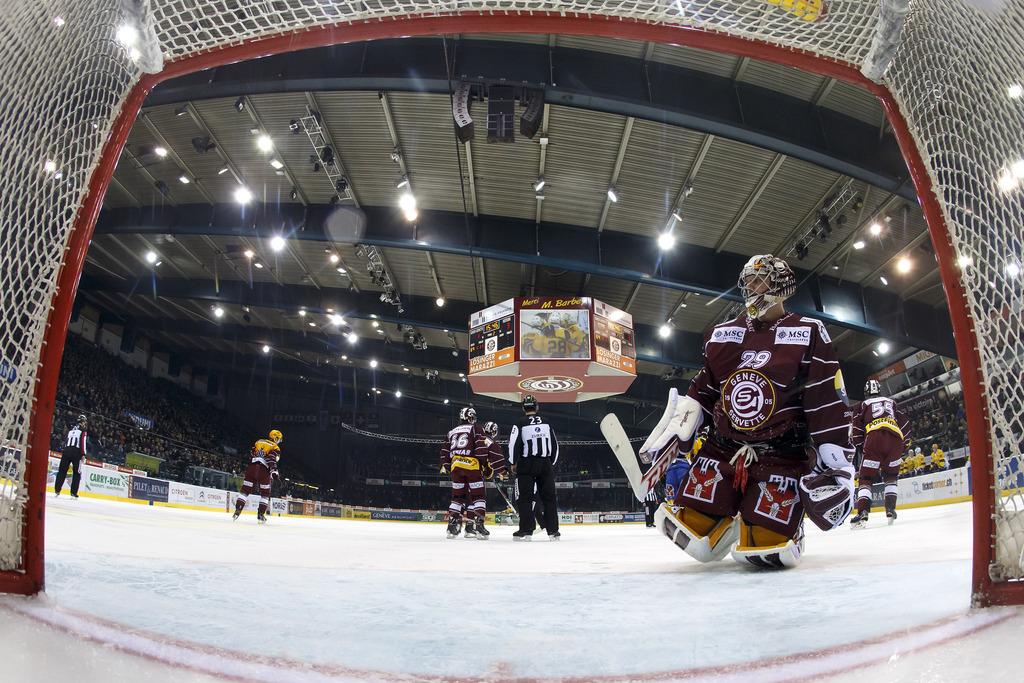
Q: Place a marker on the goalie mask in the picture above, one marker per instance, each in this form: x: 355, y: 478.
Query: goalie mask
x: 872, y: 388
x: 491, y: 429
x: 764, y: 282
x: 468, y: 415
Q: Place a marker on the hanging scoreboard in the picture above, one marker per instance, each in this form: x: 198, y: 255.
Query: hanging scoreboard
x: 492, y: 337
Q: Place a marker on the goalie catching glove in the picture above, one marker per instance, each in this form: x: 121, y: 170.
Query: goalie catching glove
x: 675, y: 430
x: 827, y: 492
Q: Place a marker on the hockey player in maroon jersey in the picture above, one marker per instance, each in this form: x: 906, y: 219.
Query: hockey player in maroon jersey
x: 883, y: 431
x: 259, y: 474
x: 778, y: 447
x: 464, y: 449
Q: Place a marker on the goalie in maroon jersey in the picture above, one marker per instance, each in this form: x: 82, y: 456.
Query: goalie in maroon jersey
x: 883, y: 431
x: 468, y: 453
x: 778, y: 446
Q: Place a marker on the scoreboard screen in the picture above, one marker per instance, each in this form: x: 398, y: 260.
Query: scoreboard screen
x: 487, y: 340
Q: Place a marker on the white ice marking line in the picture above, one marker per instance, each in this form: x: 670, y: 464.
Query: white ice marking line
x: 242, y: 666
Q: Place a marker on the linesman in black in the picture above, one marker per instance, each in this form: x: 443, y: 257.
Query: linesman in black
x: 71, y: 454
x: 533, y: 452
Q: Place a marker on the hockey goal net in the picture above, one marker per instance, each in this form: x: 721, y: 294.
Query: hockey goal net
x: 75, y: 73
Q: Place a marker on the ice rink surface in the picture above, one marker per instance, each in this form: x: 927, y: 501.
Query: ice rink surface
x: 164, y: 594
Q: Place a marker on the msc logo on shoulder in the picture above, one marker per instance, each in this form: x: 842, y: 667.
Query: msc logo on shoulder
x: 793, y: 335
x: 724, y: 335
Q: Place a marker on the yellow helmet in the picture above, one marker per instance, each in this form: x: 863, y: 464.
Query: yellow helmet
x: 276, y: 436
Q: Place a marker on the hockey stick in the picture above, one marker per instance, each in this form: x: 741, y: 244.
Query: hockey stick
x: 502, y: 494
x: 640, y: 482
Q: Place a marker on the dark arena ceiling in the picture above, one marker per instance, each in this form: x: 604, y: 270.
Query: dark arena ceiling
x: 733, y: 155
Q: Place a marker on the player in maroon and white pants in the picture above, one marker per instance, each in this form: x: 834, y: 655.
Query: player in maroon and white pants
x: 262, y: 470
x: 883, y: 431
x: 468, y: 454
x: 778, y: 446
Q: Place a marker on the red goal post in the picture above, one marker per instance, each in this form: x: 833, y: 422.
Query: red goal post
x: 75, y: 86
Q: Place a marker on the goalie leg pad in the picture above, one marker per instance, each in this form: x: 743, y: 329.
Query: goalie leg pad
x: 772, y: 497
x: 767, y: 549
x: 704, y: 538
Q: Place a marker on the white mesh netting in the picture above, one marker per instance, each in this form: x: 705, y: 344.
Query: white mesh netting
x: 65, y: 77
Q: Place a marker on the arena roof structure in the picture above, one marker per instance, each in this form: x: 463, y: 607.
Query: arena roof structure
x: 731, y: 156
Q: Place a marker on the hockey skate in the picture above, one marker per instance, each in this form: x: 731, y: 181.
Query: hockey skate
x: 454, y: 528
x: 261, y: 518
x: 891, y: 516
x: 521, y: 536
x: 859, y: 520
x: 482, y: 534
x: 557, y: 536
x: 470, y: 528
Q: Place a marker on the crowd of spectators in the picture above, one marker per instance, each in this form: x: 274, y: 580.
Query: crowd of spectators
x: 179, y: 428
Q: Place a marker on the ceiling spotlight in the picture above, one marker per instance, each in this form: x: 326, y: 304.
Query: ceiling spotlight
x: 334, y: 258
x: 336, y: 319
x: 539, y: 185
x: 312, y: 324
x: 223, y: 170
x: 405, y: 369
x: 352, y: 337
x: 859, y: 244
x: 402, y: 182
x: 1012, y: 269
x: 294, y: 194
x: 883, y: 347
x: 664, y: 331
x: 266, y: 349
x: 462, y: 374
x: 151, y: 257
x: 613, y: 195
x: 58, y: 21
x: 875, y: 229
x: 276, y: 163
x: 264, y: 143
x: 375, y: 324
x: 181, y: 111
x: 964, y: 261
x: 302, y: 312
x: 903, y: 265
x: 1006, y: 181
x: 1015, y: 91
x: 446, y: 401
x: 439, y: 301
x: 127, y: 35
x: 50, y: 166
x: 344, y: 356
x: 277, y: 243
x: 398, y: 393
x: 243, y: 195
x: 884, y: 281
x: 184, y: 180
x: 341, y: 270
x: 341, y: 185
x: 259, y: 265
x: 218, y: 312
x: 666, y: 240
x: 373, y: 363
x: 293, y: 126
x: 249, y: 253
x: 407, y: 202
x: 677, y: 215
x: 240, y: 104
x: 160, y: 151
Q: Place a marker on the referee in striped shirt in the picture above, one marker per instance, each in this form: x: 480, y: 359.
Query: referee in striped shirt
x: 71, y: 454
x: 533, y: 451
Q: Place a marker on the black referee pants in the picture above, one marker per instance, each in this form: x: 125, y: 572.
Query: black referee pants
x: 71, y: 455
x: 531, y: 472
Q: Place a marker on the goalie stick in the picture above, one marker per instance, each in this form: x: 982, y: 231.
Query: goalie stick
x: 640, y: 482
